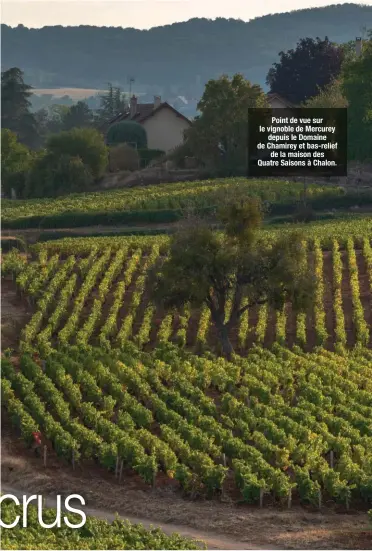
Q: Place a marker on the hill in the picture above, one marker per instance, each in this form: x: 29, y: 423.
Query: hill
x: 89, y: 57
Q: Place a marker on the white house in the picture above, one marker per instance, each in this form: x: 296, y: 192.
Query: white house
x: 164, y: 125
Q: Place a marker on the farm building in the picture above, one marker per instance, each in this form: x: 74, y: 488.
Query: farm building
x: 164, y: 125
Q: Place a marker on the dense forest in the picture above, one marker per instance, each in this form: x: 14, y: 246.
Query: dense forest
x: 173, y: 59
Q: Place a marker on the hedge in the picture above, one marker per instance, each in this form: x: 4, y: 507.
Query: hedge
x: 84, y: 219
x: 51, y: 236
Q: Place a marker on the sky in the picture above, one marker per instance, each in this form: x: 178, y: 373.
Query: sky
x: 142, y: 14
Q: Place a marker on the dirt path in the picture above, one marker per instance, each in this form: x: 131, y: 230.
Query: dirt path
x: 212, y: 541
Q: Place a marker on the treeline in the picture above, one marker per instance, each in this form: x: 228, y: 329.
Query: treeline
x: 53, y: 151
x: 317, y: 73
x: 34, y: 127
x: 88, y: 57
x: 48, y: 154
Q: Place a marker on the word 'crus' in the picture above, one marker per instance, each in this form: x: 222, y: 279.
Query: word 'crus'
x: 57, y: 523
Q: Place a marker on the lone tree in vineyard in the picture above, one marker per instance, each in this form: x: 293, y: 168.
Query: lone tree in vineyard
x: 205, y: 267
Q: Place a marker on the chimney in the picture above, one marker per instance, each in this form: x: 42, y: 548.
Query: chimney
x: 157, y: 101
x: 133, y: 106
x: 358, y: 46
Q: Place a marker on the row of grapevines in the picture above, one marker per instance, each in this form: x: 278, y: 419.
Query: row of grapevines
x: 183, y: 325
x: 64, y: 444
x: 301, y: 316
x: 85, y: 332
x: 126, y: 329
x: 337, y: 294
x: 88, y: 284
x: 244, y: 324
x: 31, y: 330
x: 367, y: 251
x: 361, y: 326
x: 319, y: 311
x: 109, y: 326
x: 44, y: 337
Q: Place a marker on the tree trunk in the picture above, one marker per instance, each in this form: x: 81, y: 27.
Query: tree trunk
x: 223, y: 334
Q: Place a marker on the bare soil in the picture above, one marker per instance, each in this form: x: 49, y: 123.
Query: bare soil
x: 222, y: 525
x: 15, y: 313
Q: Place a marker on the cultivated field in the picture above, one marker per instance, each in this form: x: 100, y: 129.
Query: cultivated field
x: 74, y: 93
x: 96, y: 291
x: 114, y: 206
x: 135, y: 395
x: 277, y: 426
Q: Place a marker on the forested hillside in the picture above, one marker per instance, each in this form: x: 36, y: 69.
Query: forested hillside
x: 177, y: 58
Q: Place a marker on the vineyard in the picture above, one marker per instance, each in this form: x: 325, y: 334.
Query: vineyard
x: 112, y: 381
x: 95, y: 534
x: 159, y: 197
x: 168, y: 203
x: 276, y: 426
x: 96, y: 291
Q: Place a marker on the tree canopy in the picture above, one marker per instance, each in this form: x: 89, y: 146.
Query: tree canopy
x: 113, y: 102
x: 16, y: 160
x: 357, y: 88
x: 205, y: 267
x: 15, y: 107
x: 331, y: 96
x: 302, y: 72
x: 78, y: 116
x: 52, y: 175
x: 86, y: 143
x: 219, y: 135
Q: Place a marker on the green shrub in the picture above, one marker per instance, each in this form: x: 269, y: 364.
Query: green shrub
x: 54, y: 175
x: 16, y: 160
x: 129, y: 132
x: 86, y: 143
x: 123, y: 157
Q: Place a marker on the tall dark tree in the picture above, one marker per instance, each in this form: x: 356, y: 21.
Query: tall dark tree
x: 15, y: 107
x: 50, y: 120
x: 16, y: 162
x: 302, y: 73
x: 113, y: 102
x: 357, y: 88
x: 78, y: 116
